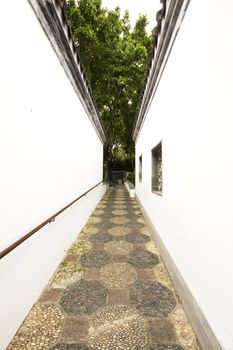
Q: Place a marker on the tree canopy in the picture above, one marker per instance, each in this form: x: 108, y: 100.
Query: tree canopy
x: 115, y: 57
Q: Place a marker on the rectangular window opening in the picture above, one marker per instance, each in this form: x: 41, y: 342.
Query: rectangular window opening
x: 157, y: 169
x: 140, y: 169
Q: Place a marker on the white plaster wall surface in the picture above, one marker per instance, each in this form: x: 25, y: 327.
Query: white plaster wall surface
x: 49, y: 155
x: 192, y: 114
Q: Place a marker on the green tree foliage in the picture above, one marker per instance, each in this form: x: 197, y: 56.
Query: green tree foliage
x: 115, y: 58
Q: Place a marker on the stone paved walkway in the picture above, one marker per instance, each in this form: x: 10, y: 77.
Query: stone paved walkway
x: 111, y: 292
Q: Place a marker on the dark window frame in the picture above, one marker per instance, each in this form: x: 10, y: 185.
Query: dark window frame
x: 157, y: 169
x: 140, y: 168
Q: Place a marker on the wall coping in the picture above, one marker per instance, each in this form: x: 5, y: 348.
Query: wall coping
x: 52, y: 17
x: 169, y: 20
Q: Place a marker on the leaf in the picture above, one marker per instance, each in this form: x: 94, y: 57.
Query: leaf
x: 115, y: 58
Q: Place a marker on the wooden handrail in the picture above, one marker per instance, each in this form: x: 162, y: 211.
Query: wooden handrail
x: 37, y: 228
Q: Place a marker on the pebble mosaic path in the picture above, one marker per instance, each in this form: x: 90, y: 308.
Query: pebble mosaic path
x: 111, y: 292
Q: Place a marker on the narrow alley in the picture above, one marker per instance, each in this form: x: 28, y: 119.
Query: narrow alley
x: 111, y: 291
x: 88, y: 101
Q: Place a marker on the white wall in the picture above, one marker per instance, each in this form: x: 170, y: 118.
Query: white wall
x: 49, y: 155
x: 192, y: 114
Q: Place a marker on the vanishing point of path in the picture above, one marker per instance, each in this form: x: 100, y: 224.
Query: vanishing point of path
x: 111, y: 292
